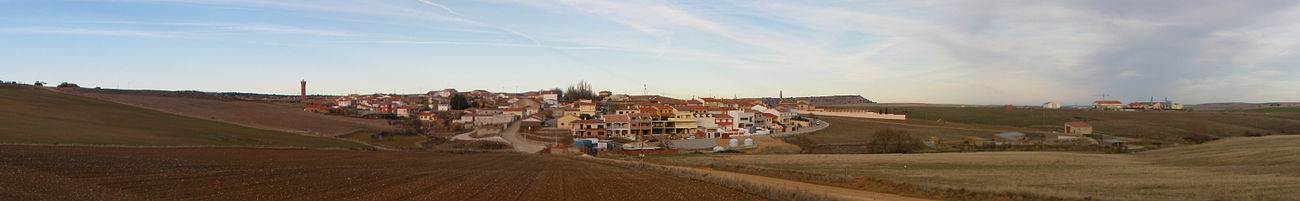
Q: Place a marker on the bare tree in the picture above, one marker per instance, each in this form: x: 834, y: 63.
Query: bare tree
x: 581, y: 90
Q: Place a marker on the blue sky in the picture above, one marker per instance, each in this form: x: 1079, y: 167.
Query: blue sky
x: 974, y: 52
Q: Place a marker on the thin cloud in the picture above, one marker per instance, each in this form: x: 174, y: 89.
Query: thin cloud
x: 248, y: 28
x: 426, y: 2
x: 96, y: 32
x: 475, y: 22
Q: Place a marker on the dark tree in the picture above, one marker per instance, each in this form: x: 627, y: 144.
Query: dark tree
x: 893, y: 141
x: 581, y: 90
x: 458, y: 102
x: 584, y: 116
x: 68, y: 85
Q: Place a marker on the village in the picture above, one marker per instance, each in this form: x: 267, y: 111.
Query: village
x: 608, y: 123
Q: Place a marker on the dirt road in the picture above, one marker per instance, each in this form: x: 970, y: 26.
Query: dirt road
x: 511, y: 134
x: 829, y: 191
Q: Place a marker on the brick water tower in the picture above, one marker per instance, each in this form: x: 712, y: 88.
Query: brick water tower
x: 303, y: 96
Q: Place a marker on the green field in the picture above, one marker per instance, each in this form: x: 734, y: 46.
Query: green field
x: 35, y: 116
x: 1253, y: 168
x: 1171, y: 126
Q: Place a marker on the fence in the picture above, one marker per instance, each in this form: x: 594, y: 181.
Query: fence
x: 639, y: 152
x: 858, y: 114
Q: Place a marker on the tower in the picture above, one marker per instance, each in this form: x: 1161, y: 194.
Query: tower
x: 303, y: 94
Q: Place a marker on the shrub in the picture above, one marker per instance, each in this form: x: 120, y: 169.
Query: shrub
x: 68, y: 85
x: 893, y: 141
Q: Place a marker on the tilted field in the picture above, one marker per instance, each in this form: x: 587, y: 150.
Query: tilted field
x: 253, y: 114
x: 1169, y: 126
x: 1261, y: 168
x: 78, y: 173
x: 38, y: 116
x: 847, y: 135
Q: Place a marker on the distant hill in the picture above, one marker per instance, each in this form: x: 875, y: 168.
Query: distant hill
x: 819, y: 100
x: 1239, y: 106
x: 31, y: 115
x: 1164, y: 126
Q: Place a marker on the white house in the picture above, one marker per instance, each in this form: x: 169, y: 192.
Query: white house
x: 1051, y: 105
x: 1107, y: 105
x: 551, y: 98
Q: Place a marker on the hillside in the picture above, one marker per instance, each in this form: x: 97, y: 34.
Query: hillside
x: 1038, y: 175
x: 1274, y: 109
x: 255, y: 114
x: 1176, y: 127
x: 819, y: 100
x: 1238, y: 106
x: 1277, y: 154
x: 41, y: 116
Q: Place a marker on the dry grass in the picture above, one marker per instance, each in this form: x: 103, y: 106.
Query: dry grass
x: 1048, y: 174
x: 1279, y: 154
x: 770, y: 192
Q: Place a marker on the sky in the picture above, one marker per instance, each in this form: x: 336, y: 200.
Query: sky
x: 968, y: 52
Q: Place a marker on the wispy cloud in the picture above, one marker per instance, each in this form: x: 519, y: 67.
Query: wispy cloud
x: 96, y: 32
x: 475, y: 22
x: 249, y: 28
x: 984, y: 52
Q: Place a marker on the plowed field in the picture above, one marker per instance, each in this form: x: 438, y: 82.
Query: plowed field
x: 81, y: 173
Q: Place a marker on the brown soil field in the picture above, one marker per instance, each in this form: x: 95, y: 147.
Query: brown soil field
x: 90, y: 173
x: 1258, y: 168
x: 253, y: 114
x: 41, y: 116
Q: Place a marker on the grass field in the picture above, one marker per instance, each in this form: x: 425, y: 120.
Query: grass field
x: 86, y: 173
x: 844, y: 133
x: 1169, y: 126
x: 1261, y: 168
x: 45, y: 117
x: 394, y: 141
